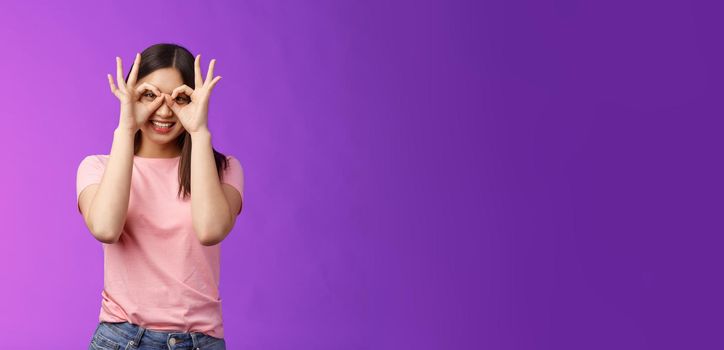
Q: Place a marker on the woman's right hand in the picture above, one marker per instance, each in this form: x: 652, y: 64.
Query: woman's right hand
x: 133, y: 112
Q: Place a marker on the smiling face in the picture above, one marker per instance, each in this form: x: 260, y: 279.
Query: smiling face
x: 161, y: 136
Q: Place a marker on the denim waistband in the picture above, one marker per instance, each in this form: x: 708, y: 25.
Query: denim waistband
x: 137, y: 335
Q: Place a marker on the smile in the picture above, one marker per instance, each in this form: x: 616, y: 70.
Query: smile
x: 162, y: 127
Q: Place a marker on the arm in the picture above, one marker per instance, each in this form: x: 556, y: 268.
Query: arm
x: 105, y: 205
x: 213, y: 204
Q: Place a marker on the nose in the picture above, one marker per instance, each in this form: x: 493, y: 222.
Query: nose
x: 164, y: 111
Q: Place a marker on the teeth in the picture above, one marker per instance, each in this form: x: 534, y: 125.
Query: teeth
x: 163, y: 125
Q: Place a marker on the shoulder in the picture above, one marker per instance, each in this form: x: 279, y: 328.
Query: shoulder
x: 95, y: 160
x: 233, y: 162
x: 230, y: 157
x: 234, y: 173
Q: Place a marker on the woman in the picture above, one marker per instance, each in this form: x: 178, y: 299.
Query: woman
x: 161, y: 207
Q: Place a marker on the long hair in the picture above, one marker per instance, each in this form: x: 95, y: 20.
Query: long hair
x: 167, y: 55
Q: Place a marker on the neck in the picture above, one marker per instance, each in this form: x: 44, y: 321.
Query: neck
x: 149, y: 149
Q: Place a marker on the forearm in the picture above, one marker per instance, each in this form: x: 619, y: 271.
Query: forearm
x: 210, y: 212
x: 109, y: 207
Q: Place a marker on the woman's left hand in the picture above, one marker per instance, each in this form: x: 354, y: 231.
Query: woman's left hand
x: 192, y: 109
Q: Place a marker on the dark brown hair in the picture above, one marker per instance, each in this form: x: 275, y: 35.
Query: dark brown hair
x: 167, y: 55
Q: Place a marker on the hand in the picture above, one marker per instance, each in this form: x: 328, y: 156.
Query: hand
x: 192, y: 112
x: 133, y: 112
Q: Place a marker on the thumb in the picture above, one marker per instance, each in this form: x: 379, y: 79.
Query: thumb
x: 171, y: 104
x: 156, y: 103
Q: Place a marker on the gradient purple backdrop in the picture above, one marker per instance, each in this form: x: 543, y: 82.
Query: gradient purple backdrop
x: 419, y: 174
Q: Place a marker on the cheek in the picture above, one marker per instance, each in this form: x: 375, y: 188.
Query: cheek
x: 146, y: 100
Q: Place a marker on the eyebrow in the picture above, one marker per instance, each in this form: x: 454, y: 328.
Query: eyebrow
x: 180, y: 93
x: 162, y: 90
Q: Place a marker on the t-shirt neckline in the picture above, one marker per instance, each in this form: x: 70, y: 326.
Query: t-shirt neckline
x: 157, y: 159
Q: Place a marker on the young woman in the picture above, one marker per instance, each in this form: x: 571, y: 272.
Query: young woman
x: 160, y: 203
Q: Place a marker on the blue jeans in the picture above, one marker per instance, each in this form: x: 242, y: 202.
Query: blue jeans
x: 128, y: 336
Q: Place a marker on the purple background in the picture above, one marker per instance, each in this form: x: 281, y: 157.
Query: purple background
x: 419, y: 174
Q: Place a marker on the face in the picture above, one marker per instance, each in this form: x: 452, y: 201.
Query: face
x: 165, y: 79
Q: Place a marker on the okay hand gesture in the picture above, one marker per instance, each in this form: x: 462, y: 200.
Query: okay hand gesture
x: 192, y: 112
x: 133, y: 112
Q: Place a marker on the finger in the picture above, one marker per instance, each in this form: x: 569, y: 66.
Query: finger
x: 147, y: 86
x: 210, y: 72
x: 134, y: 70
x: 213, y: 82
x: 197, y: 72
x: 119, y: 74
x: 182, y: 89
x: 161, y: 98
x: 114, y: 90
x: 172, y: 104
x: 153, y: 106
x: 168, y: 99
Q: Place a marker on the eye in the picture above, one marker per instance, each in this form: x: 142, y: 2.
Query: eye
x: 149, y: 95
x: 182, y: 99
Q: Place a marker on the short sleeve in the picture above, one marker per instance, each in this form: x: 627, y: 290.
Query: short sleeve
x: 90, y: 171
x: 234, y: 176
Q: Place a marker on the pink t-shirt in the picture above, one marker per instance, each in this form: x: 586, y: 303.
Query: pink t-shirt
x: 158, y: 275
